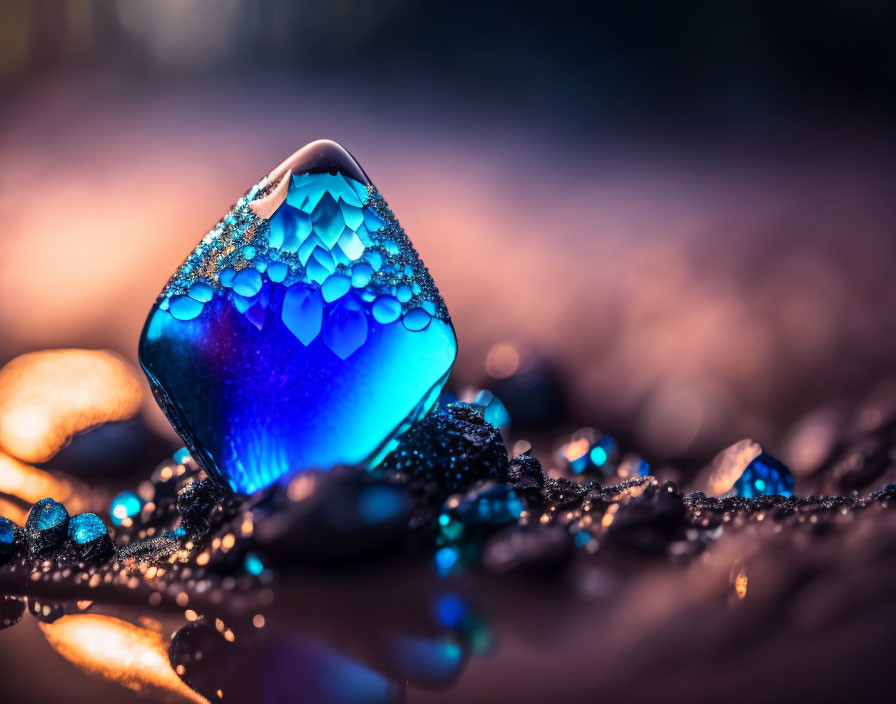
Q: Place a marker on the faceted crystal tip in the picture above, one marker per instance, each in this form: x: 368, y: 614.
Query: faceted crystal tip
x: 303, y: 331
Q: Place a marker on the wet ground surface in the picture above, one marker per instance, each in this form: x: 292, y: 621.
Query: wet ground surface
x: 297, y: 596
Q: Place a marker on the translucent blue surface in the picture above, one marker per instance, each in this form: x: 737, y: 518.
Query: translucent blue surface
x: 308, y: 358
x: 86, y: 527
x: 46, y: 514
x: 7, y: 531
x: 764, y: 476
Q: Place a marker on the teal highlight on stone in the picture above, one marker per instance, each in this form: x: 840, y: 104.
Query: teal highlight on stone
x: 309, y: 339
x: 86, y: 527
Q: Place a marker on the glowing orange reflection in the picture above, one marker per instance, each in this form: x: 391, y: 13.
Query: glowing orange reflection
x: 740, y: 584
x: 13, y: 512
x: 46, y: 397
x: 134, y: 657
x: 30, y: 483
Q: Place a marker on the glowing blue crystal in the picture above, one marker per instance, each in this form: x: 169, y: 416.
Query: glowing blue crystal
x: 86, y: 527
x: 745, y: 469
x: 7, y: 536
x: 303, y: 331
x: 764, y: 476
x: 46, y: 514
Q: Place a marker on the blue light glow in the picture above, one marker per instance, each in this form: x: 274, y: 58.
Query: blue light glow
x: 125, y: 504
x: 253, y: 565
x: 598, y: 456
x: 451, y: 611
x: 379, y: 504
x: 446, y: 558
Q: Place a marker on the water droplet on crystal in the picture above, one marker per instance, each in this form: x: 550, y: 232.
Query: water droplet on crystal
x: 386, y: 309
x: 335, y: 287
x: 416, y: 319
x: 184, y: 307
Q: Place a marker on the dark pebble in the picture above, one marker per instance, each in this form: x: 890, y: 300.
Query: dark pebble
x: 46, y: 527
x: 451, y: 449
x: 200, y: 505
x: 650, y: 521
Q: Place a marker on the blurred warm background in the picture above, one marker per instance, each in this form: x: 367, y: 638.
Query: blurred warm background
x: 687, y: 211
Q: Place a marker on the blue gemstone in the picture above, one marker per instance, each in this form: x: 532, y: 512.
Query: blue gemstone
x: 319, y: 352
x: 764, y: 476
x: 86, y: 527
x: 125, y: 504
x: 46, y: 526
x: 7, y: 536
x: 745, y: 469
x: 590, y: 452
x: 46, y: 514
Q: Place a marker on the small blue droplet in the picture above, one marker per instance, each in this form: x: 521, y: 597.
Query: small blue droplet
x: 375, y: 259
x: 335, y: 287
x: 386, y: 309
x: 226, y: 277
x: 247, y: 282
x: 403, y: 293
x: 416, y: 319
x: 184, y: 307
x: 277, y: 271
x: 202, y: 292
x: 361, y: 275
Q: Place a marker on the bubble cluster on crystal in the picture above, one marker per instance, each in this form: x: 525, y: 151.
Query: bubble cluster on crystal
x: 307, y: 337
